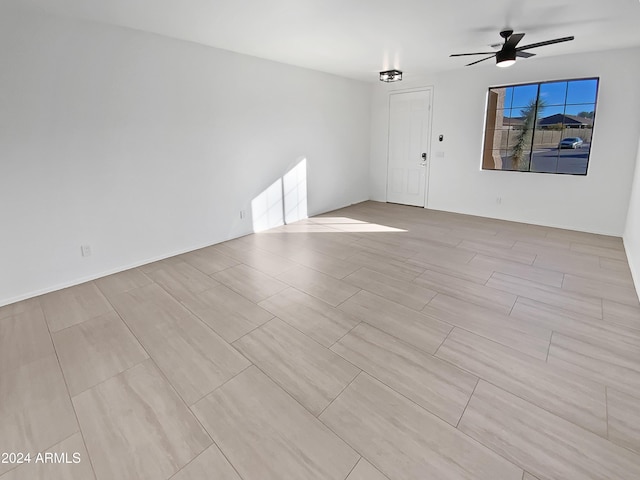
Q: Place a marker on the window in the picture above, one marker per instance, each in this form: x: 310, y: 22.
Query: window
x: 541, y: 127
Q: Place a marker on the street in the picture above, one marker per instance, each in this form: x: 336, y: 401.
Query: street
x: 553, y: 160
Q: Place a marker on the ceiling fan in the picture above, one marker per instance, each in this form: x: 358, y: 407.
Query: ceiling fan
x: 506, y: 56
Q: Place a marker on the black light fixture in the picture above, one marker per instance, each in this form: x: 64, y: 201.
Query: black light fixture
x: 391, y: 76
x: 510, y: 49
x: 506, y: 57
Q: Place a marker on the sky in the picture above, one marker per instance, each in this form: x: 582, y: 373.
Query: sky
x: 570, y: 97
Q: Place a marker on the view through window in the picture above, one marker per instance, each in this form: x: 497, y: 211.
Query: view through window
x: 541, y: 127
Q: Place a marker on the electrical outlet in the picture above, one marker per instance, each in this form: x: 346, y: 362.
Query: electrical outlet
x: 86, y: 250
x: 499, y: 200
x: 242, y: 214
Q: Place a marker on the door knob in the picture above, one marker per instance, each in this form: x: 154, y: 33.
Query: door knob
x: 424, y: 157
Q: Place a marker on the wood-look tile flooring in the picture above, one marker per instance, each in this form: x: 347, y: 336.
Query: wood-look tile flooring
x: 374, y: 342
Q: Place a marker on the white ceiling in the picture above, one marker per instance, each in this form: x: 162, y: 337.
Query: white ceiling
x: 358, y: 38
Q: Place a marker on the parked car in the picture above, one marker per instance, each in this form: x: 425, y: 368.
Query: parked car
x: 571, y: 142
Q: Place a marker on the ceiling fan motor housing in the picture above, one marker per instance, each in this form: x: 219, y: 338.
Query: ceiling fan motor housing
x: 507, y: 53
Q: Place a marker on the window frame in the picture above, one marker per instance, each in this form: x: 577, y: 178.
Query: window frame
x: 539, y: 85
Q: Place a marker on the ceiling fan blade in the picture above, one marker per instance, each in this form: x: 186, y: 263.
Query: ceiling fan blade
x: 514, y: 39
x: 465, y: 54
x: 478, y: 61
x: 548, y: 42
x: 525, y: 54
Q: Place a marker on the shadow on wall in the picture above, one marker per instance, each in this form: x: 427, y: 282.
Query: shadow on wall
x: 283, y: 202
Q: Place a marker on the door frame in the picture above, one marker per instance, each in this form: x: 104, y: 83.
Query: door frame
x: 429, y: 136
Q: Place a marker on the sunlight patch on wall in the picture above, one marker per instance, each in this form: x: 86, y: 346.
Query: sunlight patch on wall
x: 295, y: 193
x: 266, y: 208
x: 283, y: 202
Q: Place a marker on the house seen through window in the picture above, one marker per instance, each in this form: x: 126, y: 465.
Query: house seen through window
x: 541, y: 127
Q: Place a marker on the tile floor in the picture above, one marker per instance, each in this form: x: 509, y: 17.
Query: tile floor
x: 374, y: 342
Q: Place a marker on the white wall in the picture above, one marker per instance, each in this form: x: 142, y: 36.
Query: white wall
x: 144, y: 146
x: 595, y: 203
x: 632, y: 229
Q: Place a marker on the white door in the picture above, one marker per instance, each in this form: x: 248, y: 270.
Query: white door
x: 408, y: 162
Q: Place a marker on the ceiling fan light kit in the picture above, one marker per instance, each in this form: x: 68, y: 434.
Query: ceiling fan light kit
x: 507, y: 55
x: 391, y: 76
x: 506, y: 58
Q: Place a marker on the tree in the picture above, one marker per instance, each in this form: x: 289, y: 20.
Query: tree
x: 530, y: 115
x: 586, y: 114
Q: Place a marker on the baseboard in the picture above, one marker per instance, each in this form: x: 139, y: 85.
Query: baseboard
x: 539, y: 224
x: 104, y: 273
x: 122, y: 268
